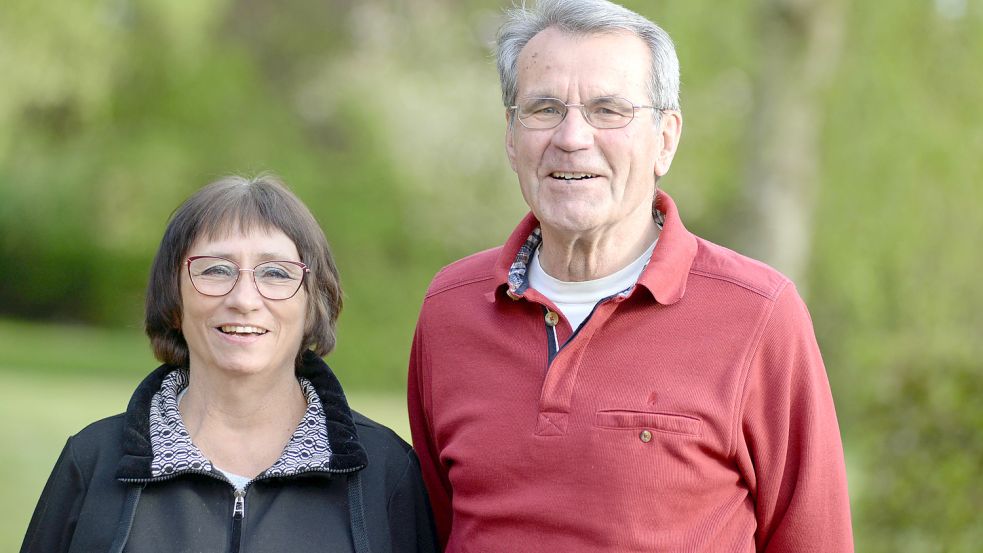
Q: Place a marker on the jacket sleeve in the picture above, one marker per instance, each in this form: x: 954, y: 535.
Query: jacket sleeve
x: 424, y: 441
x: 53, y: 524
x: 411, y: 524
x: 788, y: 445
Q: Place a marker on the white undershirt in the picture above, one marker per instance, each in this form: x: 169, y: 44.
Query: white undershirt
x: 576, y: 300
x: 238, y: 481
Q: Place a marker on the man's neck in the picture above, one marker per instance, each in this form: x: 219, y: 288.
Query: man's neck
x: 590, y: 256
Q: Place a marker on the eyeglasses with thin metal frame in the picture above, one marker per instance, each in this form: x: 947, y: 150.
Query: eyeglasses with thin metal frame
x: 604, y: 112
x: 274, y: 280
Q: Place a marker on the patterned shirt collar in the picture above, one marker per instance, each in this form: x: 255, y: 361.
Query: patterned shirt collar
x: 173, y: 451
x: 519, y: 271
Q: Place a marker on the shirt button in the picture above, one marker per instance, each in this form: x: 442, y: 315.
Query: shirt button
x: 552, y: 318
x: 645, y: 436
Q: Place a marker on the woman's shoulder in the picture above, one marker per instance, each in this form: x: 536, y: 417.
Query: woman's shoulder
x: 103, y: 425
x: 98, y: 437
x: 93, y: 452
x: 392, y: 467
x: 375, y: 436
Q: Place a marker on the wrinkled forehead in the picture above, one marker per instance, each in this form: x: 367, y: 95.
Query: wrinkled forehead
x: 554, y: 61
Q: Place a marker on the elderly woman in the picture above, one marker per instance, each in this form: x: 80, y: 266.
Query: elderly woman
x: 242, y: 440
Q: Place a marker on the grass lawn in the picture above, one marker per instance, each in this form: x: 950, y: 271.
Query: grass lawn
x: 54, y: 380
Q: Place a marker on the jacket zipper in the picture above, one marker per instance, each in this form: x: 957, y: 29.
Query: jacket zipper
x: 239, y: 496
x: 238, y: 512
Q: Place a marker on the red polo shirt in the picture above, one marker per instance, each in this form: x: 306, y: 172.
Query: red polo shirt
x: 691, y: 413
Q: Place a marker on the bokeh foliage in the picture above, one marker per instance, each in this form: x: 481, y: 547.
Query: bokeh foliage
x: 385, y: 117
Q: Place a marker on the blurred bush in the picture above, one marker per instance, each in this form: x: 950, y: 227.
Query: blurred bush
x: 923, y: 491
x: 392, y: 139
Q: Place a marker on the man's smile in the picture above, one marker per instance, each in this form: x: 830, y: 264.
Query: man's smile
x: 560, y: 175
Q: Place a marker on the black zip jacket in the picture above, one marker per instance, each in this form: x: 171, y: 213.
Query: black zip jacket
x: 103, y: 496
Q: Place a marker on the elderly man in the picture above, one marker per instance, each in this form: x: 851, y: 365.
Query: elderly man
x: 607, y: 381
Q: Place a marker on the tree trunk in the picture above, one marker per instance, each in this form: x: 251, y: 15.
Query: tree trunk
x: 800, y: 46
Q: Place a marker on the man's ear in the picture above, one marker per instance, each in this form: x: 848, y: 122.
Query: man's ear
x: 670, y: 128
x: 509, y: 139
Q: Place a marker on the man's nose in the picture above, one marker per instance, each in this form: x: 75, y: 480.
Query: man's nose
x: 574, y: 132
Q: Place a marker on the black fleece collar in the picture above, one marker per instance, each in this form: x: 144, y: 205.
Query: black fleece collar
x: 347, y: 454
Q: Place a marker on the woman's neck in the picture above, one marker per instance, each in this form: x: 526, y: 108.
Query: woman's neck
x: 242, y: 423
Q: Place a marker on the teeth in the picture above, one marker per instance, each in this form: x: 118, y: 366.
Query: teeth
x: 572, y: 176
x: 233, y: 329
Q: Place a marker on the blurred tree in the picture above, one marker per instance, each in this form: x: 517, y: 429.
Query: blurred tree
x: 351, y: 103
x: 895, y: 272
x: 799, y: 48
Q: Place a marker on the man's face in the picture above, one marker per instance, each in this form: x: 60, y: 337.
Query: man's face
x: 577, y: 179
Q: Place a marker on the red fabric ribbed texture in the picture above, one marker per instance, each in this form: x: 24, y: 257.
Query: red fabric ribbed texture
x: 693, y: 416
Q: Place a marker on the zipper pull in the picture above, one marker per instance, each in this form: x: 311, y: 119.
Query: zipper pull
x: 238, y: 511
x: 240, y: 506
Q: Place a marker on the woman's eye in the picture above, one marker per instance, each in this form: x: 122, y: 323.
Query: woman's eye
x: 272, y: 273
x: 219, y: 271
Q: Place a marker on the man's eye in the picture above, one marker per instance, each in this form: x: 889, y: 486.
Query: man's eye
x: 543, y: 108
x: 610, y: 108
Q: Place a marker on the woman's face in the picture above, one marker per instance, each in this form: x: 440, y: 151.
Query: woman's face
x: 242, y: 332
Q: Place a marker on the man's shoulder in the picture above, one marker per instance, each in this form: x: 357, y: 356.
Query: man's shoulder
x: 477, y: 267
x: 717, y: 262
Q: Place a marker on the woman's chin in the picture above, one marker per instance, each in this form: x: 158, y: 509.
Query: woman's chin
x: 248, y: 366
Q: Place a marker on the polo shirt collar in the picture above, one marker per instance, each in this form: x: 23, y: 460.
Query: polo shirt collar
x: 664, y: 275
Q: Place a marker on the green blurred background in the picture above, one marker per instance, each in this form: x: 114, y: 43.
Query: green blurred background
x: 385, y: 117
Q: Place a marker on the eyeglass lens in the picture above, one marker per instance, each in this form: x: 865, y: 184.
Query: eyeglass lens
x: 275, y: 280
x: 606, y: 112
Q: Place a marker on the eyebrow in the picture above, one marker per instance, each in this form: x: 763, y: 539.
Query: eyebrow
x: 603, y: 94
x: 537, y: 95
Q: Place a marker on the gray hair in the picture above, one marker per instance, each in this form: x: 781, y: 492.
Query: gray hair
x: 586, y: 17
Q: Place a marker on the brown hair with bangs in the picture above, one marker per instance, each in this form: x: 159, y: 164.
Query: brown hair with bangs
x: 225, y: 206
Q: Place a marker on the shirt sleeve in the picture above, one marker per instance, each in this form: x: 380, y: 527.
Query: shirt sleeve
x: 788, y: 446
x: 56, y: 515
x: 424, y: 441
